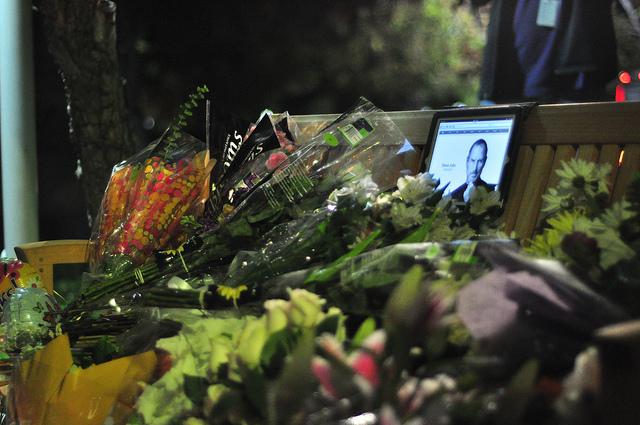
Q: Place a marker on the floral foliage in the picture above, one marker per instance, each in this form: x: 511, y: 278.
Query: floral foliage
x: 223, y: 368
x: 598, y: 242
x: 325, y: 293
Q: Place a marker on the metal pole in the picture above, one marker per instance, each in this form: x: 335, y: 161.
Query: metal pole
x: 17, y: 125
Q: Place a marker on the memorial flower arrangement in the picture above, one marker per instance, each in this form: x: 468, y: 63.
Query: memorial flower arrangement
x: 149, y: 195
x: 599, y: 243
x: 327, y: 283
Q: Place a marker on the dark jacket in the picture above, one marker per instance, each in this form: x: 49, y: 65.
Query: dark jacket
x: 585, y: 43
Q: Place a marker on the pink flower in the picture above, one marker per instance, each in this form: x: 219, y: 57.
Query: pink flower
x: 322, y: 370
x: 364, y: 361
x: 275, y: 159
x: 364, y: 364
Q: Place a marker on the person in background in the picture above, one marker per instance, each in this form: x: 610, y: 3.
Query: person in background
x: 476, y: 158
x: 548, y: 51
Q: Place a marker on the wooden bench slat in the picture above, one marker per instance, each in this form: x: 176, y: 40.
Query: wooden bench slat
x: 609, y: 154
x: 588, y: 153
x: 583, y: 123
x: 516, y: 189
x: 563, y: 153
x: 44, y: 255
x: 629, y: 167
x: 535, y: 186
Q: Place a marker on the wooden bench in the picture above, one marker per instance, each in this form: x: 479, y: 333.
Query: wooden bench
x: 44, y: 255
x: 603, y: 132
x: 597, y: 132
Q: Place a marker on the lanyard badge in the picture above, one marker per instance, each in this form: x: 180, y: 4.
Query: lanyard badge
x: 548, y: 12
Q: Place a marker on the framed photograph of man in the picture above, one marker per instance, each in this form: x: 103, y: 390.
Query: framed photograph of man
x: 473, y: 147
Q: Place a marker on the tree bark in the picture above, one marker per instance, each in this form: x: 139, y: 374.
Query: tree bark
x: 81, y: 36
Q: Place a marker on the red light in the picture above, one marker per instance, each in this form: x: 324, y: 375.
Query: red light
x: 620, y: 94
x: 624, y: 77
x: 638, y: 75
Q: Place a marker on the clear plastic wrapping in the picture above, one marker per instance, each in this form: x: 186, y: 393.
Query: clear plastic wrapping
x: 362, y: 141
x: 363, y: 137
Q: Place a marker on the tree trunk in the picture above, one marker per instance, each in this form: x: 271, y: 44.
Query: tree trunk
x: 81, y: 36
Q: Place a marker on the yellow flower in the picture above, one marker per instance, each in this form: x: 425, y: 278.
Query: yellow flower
x: 251, y: 341
x: 276, y: 315
x: 231, y: 293
x: 306, y: 308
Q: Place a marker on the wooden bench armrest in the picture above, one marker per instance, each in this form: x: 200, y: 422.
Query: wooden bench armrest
x: 43, y: 255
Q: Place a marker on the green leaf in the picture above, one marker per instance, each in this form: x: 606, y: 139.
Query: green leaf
x: 329, y: 324
x: 617, y: 213
x: 366, y: 328
x: 135, y: 419
x: 195, y: 388
x: 327, y: 273
x: 377, y: 279
x: 400, y: 307
x: 255, y: 388
x: 276, y: 348
x: 296, y: 383
x: 240, y: 227
x: 264, y: 214
x: 518, y: 393
x: 420, y: 234
x: 105, y: 350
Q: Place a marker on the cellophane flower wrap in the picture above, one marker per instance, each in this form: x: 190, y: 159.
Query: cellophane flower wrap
x: 363, y: 140
x: 364, y: 136
x: 266, y: 147
x: 49, y: 389
x: 147, y: 197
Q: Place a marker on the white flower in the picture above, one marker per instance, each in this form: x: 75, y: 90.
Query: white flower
x: 365, y: 189
x: 415, y: 189
x: 404, y: 217
x: 440, y: 382
x: 382, y: 203
x: 340, y: 193
x: 482, y: 200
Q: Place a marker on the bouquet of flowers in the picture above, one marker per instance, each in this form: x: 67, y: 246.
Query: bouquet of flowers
x: 329, y: 284
x: 363, y: 137
x: 148, y: 197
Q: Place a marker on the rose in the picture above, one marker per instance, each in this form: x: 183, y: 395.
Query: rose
x: 275, y: 159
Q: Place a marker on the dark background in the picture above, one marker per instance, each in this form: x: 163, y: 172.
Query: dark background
x: 304, y: 57
x: 285, y: 55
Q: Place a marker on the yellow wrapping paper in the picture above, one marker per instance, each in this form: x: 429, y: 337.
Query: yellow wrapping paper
x: 48, y: 391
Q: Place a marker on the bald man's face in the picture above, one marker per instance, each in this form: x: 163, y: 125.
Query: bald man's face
x: 475, y: 163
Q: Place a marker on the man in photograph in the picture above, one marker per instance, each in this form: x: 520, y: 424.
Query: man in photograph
x: 476, y: 159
